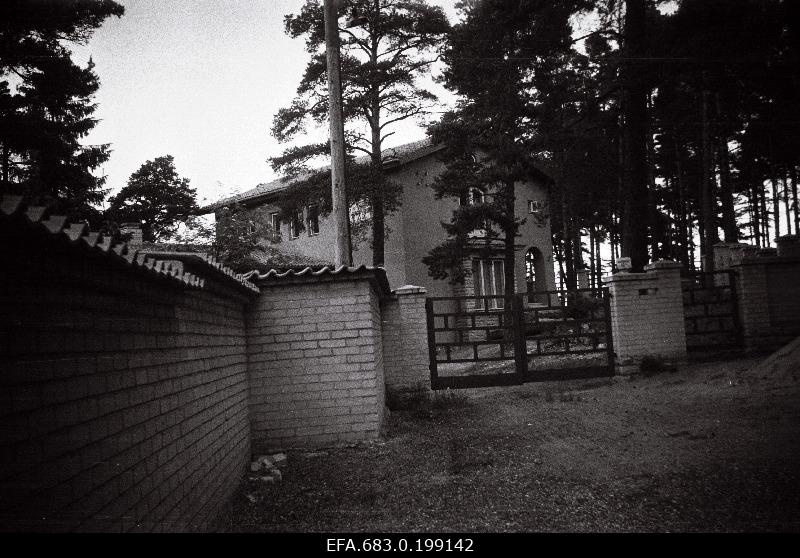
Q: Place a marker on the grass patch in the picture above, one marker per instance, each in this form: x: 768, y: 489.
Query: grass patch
x: 449, y: 399
x: 426, y: 403
x: 651, y: 365
x: 562, y: 396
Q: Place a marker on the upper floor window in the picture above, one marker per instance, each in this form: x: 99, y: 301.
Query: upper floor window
x: 313, y: 220
x: 360, y: 212
x: 535, y: 206
x: 296, y: 224
x: 476, y: 196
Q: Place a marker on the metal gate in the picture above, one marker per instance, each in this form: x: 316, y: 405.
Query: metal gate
x: 481, y: 341
x: 568, y: 335
x: 710, y: 310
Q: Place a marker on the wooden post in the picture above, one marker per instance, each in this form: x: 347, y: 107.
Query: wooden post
x: 520, y: 345
x: 431, y: 323
x: 342, y: 251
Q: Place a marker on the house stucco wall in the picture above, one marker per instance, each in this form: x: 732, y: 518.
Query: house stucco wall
x: 415, y: 228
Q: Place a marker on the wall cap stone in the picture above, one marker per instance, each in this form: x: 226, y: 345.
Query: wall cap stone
x: 663, y: 264
x: 766, y: 260
x: 409, y: 289
x: 625, y: 276
x: 323, y: 274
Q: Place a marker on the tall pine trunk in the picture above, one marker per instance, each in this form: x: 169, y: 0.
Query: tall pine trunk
x: 683, y: 234
x: 794, y: 199
x: 6, y: 157
x: 762, y: 192
x: 592, y: 276
x: 707, y: 191
x: 755, y: 216
x: 786, y: 204
x: 776, y: 207
x: 569, y: 249
x: 634, y: 236
x: 508, y: 255
x: 378, y: 218
x: 729, y: 226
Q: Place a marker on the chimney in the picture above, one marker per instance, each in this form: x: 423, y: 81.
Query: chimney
x: 134, y: 232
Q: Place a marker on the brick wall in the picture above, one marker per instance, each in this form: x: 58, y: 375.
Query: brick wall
x: 647, y: 315
x: 123, y: 398
x: 768, y: 300
x: 405, y: 342
x: 315, y: 362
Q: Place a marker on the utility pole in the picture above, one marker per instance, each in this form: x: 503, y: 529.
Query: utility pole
x: 342, y: 251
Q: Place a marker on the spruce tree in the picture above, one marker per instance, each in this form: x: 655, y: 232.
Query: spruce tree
x: 46, y: 105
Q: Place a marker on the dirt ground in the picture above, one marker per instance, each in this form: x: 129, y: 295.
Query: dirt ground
x: 712, y: 447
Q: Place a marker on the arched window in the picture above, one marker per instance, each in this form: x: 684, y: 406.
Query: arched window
x: 534, y: 271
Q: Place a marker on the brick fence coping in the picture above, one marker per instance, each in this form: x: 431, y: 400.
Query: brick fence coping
x: 16, y: 217
x: 201, y: 261
x: 375, y: 275
x: 409, y: 289
x: 760, y: 260
x: 626, y: 276
x: 646, y: 275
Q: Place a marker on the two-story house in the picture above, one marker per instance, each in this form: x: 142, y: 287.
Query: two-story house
x: 415, y: 228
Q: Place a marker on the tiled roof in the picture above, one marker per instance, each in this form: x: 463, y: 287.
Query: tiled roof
x: 14, y: 214
x: 161, y: 247
x: 375, y: 274
x: 392, y: 158
x: 270, y: 258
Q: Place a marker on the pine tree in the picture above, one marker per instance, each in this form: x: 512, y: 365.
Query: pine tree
x: 491, y: 137
x: 156, y: 197
x: 381, y: 62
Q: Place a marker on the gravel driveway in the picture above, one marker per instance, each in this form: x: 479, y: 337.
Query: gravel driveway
x: 712, y: 447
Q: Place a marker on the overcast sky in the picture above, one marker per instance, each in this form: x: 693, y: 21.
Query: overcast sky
x: 200, y: 80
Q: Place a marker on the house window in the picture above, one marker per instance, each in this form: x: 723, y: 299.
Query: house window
x: 274, y: 222
x: 359, y: 213
x: 475, y: 196
x: 296, y: 224
x: 313, y: 220
x: 535, y: 206
x: 489, y: 280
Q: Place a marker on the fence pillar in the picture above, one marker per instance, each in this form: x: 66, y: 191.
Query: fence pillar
x: 405, y: 342
x: 647, y: 316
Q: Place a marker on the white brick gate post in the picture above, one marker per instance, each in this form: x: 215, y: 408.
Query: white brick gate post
x: 647, y: 316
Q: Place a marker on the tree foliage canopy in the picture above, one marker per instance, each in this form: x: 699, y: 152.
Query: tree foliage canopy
x: 46, y: 103
x: 382, y: 61
x: 156, y: 197
x: 493, y: 57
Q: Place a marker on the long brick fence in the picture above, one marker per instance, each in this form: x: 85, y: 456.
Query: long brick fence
x: 134, y: 389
